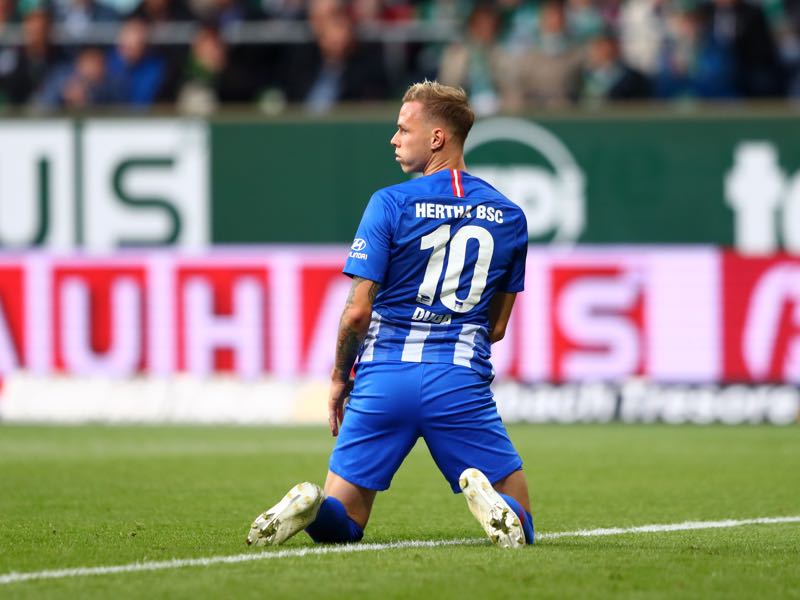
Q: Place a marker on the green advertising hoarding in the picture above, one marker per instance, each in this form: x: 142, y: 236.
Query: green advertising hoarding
x: 594, y: 181
x: 100, y: 184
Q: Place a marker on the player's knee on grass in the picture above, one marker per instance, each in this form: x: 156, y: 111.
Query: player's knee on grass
x: 333, y: 525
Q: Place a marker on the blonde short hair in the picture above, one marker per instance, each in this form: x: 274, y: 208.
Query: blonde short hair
x: 445, y: 104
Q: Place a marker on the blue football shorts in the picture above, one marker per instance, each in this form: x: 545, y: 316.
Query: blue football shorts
x: 395, y: 403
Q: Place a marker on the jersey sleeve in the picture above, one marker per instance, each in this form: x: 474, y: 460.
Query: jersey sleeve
x: 369, y: 255
x: 515, y: 282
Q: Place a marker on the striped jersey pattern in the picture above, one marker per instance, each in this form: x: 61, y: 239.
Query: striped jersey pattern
x: 440, y: 246
x: 426, y: 342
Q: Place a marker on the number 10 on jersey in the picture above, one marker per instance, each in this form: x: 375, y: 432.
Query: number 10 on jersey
x: 439, y: 240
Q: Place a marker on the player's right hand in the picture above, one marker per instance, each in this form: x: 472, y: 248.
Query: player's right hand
x: 339, y: 392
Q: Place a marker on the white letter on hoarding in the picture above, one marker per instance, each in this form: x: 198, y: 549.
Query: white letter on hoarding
x: 37, y: 184
x: 683, y: 315
x: 322, y: 346
x: 284, y: 320
x: 241, y: 331
x: 753, y: 190
x: 124, y: 353
x: 9, y: 360
x: 161, y: 328
x: 589, y: 313
x: 532, y: 308
x: 39, y: 302
x: 791, y: 216
x: 145, y: 183
x: 791, y: 368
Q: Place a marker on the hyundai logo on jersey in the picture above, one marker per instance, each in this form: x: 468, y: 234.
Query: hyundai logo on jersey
x: 358, y: 245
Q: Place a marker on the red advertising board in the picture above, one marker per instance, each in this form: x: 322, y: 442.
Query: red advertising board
x: 597, y: 316
x: 222, y: 320
x: 671, y: 315
x: 13, y: 307
x: 99, y: 318
x: 762, y: 318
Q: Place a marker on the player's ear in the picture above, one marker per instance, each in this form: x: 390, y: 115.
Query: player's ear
x: 437, y: 139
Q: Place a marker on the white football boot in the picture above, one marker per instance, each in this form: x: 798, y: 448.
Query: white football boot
x: 500, y: 523
x: 296, y: 511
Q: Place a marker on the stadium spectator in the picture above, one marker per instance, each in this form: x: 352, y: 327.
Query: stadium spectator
x: 80, y: 85
x: 336, y: 68
x: 512, y: 53
x: 642, y: 30
x: 8, y: 54
x: 223, y: 13
x: 157, y: 13
x: 437, y: 11
x: 162, y: 11
x: 320, y: 12
x: 8, y: 13
x: 607, y: 77
x: 24, y: 69
x: 584, y: 20
x: 78, y: 16
x: 375, y: 12
x: 609, y: 11
x: 135, y: 74
x: 692, y: 64
x: 121, y: 7
x: 210, y: 78
x: 789, y: 45
x: 283, y: 9
x: 741, y: 29
x: 549, y: 73
x: 520, y: 20
x: 479, y: 64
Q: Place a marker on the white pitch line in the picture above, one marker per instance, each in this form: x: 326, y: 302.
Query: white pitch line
x: 685, y: 526
x: 180, y: 563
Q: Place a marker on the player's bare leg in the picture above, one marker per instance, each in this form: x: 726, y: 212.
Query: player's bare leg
x: 516, y: 486
x: 357, y: 500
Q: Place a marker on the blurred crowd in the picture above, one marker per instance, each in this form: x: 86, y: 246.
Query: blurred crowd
x: 510, y: 55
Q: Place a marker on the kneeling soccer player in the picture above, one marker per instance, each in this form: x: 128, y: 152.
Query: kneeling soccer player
x: 436, y: 265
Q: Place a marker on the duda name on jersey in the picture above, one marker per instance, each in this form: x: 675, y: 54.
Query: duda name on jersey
x: 420, y: 314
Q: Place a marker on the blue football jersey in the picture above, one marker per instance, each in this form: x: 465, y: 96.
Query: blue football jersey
x: 440, y: 246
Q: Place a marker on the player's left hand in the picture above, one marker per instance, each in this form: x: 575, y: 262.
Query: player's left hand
x: 339, y: 392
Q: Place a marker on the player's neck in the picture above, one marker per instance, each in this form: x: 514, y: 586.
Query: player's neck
x: 441, y: 161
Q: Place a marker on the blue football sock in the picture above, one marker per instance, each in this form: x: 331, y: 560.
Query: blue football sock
x: 524, y: 517
x: 333, y: 525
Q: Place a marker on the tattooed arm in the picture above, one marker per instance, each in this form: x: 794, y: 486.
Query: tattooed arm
x: 352, y: 330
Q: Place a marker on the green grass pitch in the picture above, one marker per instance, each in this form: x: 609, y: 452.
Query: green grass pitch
x: 95, y: 496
